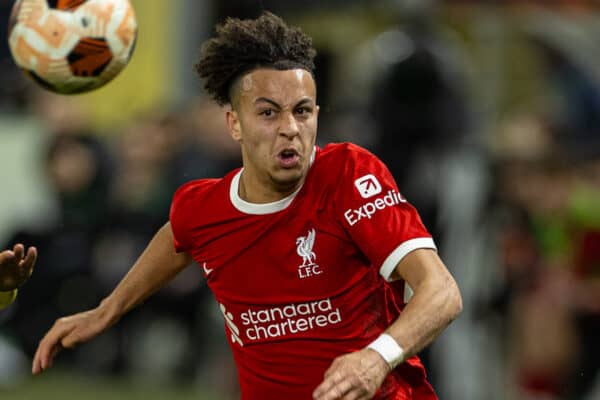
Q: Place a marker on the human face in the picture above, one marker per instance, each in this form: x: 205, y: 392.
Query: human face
x: 274, y: 118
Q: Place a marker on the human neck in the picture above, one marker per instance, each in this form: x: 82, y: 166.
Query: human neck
x: 253, y: 190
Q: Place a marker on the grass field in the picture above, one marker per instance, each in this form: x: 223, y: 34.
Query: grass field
x: 60, y: 385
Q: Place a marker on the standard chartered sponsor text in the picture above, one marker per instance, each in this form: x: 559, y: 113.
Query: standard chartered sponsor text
x: 290, y: 319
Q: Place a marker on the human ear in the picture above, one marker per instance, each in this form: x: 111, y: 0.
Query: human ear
x: 233, y: 123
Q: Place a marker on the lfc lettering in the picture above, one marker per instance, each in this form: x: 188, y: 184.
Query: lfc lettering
x: 306, y: 271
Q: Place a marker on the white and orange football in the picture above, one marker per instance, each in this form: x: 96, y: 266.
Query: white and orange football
x: 72, y: 46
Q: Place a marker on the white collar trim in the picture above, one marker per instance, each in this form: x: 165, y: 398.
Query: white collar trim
x: 260, y: 208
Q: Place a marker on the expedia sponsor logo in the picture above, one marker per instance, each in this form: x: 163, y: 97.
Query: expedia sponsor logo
x: 367, y: 186
x: 369, y: 209
x: 287, y: 320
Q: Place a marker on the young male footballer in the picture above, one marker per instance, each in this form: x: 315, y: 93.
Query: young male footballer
x: 306, y: 249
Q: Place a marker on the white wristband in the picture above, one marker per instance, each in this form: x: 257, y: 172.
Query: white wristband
x: 389, y: 349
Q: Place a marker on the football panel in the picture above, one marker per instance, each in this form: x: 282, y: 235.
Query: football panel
x: 28, y: 57
x: 77, y: 85
x: 61, y: 84
x: 89, y: 57
x: 131, y: 49
x: 14, y: 16
x: 127, y: 30
x: 52, y: 30
x: 117, y: 65
x: 67, y: 5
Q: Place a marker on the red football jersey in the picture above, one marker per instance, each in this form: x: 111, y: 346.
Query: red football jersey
x: 303, y: 280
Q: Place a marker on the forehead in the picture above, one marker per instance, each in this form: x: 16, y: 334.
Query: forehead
x: 287, y: 86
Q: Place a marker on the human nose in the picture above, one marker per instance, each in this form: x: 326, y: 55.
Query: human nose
x: 288, y: 125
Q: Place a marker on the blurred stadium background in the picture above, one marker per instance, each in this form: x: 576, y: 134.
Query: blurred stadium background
x: 487, y: 112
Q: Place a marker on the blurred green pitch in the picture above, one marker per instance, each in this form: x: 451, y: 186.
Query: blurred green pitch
x: 62, y: 385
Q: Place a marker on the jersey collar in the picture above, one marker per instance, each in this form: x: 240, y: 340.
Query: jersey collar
x: 262, y: 208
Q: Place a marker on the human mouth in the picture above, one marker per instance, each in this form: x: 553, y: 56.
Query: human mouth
x: 288, y: 158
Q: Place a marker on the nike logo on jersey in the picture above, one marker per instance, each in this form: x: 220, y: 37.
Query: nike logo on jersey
x: 207, y: 271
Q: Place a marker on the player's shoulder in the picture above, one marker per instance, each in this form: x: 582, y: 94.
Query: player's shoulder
x: 194, y: 188
x: 339, y: 162
x: 344, y: 151
x: 197, y: 194
x: 340, y: 149
x: 197, y: 189
x: 344, y: 155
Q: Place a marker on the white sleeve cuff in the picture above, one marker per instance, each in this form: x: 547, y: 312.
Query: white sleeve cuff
x: 398, y: 254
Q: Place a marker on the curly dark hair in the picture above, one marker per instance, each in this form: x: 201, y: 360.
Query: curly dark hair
x: 241, y: 46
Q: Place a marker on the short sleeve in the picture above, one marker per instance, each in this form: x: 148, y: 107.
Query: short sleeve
x: 179, y: 215
x: 376, y: 216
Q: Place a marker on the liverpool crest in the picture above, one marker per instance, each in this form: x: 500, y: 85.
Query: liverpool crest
x: 304, y: 249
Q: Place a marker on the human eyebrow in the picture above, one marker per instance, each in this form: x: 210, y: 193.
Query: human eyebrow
x: 267, y: 100
x: 305, y: 101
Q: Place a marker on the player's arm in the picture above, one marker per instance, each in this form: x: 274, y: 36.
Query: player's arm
x: 435, y: 303
x: 158, y: 264
x: 16, y: 266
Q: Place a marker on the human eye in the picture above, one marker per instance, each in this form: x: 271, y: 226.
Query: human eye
x: 304, y: 110
x: 267, y: 112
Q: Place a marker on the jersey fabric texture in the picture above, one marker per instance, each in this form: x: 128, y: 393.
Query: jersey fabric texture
x: 305, y: 279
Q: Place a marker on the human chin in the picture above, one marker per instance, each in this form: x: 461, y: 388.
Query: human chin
x: 287, y: 179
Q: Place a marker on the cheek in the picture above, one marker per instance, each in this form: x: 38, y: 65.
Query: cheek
x: 256, y: 137
x: 310, y: 127
x: 263, y: 130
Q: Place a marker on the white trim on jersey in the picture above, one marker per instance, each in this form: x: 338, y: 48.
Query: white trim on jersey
x: 398, y: 254
x: 255, y: 208
x: 264, y: 208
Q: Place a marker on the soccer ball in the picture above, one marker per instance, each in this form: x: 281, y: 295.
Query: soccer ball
x: 72, y: 46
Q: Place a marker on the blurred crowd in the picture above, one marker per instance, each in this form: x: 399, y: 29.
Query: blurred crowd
x: 487, y: 116
x: 110, y: 197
